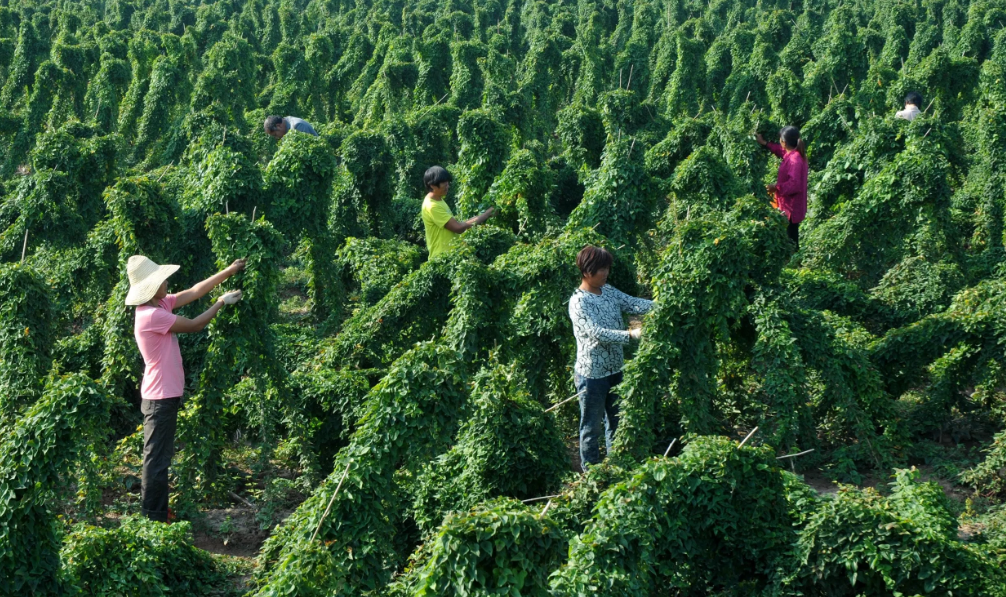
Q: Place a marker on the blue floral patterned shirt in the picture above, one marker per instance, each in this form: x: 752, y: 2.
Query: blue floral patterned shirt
x: 597, y: 325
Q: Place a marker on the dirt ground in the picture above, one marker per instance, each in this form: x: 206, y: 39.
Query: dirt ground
x: 232, y: 532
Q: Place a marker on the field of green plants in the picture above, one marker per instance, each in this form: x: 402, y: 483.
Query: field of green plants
x: 381, y: 417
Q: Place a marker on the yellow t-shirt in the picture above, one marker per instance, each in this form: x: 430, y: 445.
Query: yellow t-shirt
x: 435, y: 215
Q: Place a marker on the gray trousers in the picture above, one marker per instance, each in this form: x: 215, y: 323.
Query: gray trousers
x: 160, y: 417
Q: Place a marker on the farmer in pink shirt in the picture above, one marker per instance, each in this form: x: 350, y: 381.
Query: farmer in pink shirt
x: 163, y: 377
x: 790, y: 188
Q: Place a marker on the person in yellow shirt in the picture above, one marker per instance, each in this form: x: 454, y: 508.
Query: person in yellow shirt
x: 442, y: 229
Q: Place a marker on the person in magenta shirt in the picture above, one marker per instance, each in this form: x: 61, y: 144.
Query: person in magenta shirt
x: 790, y: 188
x: 163, y: 385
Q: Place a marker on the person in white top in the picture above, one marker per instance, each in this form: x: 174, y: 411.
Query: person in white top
x: 277, y: 127
x: 912, y: 102
x: 596, y: 312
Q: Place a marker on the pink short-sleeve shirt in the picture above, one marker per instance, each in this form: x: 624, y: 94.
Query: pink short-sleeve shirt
x: 163, y: 376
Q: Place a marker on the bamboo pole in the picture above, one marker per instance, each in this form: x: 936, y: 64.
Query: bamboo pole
x: 668, y: 450
x: 555, y: 406
x: 331, y: 501
x: 795, y: 455
x: 747, y: 438
x: 538, y: 499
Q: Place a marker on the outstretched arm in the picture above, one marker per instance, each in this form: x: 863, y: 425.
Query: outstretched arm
x: 199, y: 290
x: 773, y: 147
x: 602, y: 335
x: 630, y: 304
x: 776, y: 149
x: 184, y: 325
x: 458, y: 227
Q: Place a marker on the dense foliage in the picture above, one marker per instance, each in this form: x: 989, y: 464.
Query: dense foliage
x: 139, y: 557
x: 396, y: 404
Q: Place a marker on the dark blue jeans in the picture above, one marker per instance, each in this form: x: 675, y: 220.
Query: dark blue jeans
x: 597, y: 404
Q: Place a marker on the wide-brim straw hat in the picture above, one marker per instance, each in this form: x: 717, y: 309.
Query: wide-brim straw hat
x: 145, y: 277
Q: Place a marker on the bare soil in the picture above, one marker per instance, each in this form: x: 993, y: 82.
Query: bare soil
x: 232, y: 532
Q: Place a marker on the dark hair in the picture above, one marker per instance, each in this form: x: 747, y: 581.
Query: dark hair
x: 436, y: 175
x: 590, y: 259
x: 791, y: 135
x: 914, y: 98
x: 272, y: 123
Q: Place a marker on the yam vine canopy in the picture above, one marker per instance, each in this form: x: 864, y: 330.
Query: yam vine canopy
x: 380, y: 417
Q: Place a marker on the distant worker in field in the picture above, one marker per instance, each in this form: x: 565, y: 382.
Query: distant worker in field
x: 156, y: 330
x: 276, y: 126
x: 596, y: 311
x: 442, y: 230
x: 913, y: 101
x: 790, y: 189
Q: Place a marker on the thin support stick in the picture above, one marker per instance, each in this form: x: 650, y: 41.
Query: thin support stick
x: 927, y: 132
x: 631, y: 66
x: 555, y: 406
x: 331, y: 501
x: 631, y: 146
x: 165, y: 171
x: 747, y: 438
x: 538, y: 499
x: 227, y: 207
x: 254, y: 209
x: 53, y: 172
x: 795, y: 455
x: 98, y: 109
x: 619, y: 78
x: 24, y: 247
x: 545, y: 509
x: 225, y: 137
x: 930, y: 104
x: 668, y: 450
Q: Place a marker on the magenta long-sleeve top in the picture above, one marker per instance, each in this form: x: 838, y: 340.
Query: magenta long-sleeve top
x: 791, y: 184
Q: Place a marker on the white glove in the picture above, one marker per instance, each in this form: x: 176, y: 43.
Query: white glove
x: 636, y: 334
x: 229, y: 298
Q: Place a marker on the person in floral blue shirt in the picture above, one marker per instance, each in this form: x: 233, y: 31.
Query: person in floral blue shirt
x: 596, y: 312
